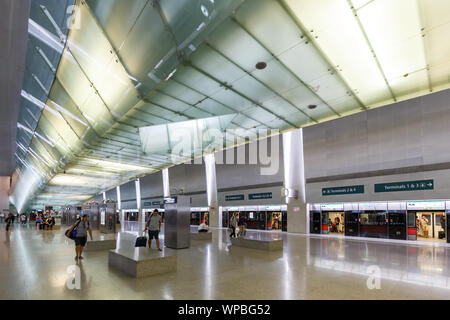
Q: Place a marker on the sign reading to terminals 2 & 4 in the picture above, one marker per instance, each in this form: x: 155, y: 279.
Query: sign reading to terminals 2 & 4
x: 405, y: 186
x: 342, y: 190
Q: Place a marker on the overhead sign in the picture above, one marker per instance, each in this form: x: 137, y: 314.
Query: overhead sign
x: 170, y: 200
x: 405, y: 186
x: 332, y: 206
x: 342, y: 190
x: 156, y: 203
x: 425, y: 205
x: 234, y: 197
x: 257, y: 196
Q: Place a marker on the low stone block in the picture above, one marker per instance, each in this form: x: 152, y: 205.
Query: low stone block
x: 142, y: 262
x: 98, y: 245
x: 268, y: 245
x: 201, y: 235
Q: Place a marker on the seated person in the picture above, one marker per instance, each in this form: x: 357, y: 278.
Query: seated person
x: 203, y: 227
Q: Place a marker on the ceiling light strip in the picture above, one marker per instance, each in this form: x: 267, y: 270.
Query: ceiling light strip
x: 46, y: 60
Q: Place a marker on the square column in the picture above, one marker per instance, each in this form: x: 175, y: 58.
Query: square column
x: 294, y: 181
x: 211, y: 189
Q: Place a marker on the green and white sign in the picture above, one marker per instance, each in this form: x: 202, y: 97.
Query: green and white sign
x: 404, y: 186
x: 234, y: 197
x: 342, y: 190
x: 257, y: 196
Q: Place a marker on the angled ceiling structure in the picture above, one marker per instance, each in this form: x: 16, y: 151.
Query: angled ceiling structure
x: 263, y: 64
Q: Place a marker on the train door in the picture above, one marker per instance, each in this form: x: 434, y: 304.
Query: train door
x: 336, y: 222
x: 251, y: 218
x: 373, y: 224
x: 448, y: 226
x: 283, y: 220
x: 412, y: 226
x: 276, y: 220
x: 325, y: 222
x: 315, y: 224
x: 430, y: 225
x: 224, y: 218
x: 351, y: 223
x: 397, y: 224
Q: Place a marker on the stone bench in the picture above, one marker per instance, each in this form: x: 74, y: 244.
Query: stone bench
x: 268, y: 245
x: 97, y: 245
x: 201, y: 235
x: 142, y: 262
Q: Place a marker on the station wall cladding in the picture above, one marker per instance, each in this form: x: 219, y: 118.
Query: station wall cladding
x: 405, y: 141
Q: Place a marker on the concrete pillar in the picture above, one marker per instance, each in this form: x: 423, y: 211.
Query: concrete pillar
x: 294, y: 181
x: 141, y: 221
x: 211, y: 190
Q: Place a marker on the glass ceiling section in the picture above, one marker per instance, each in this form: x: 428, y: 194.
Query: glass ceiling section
x: 185, y: 140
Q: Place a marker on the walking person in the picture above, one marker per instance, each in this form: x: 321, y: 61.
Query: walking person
x: 8, y: 221
x: 154, y: 228
x: 233, y: 226
x: 241, y: 225
x: 81, y: 238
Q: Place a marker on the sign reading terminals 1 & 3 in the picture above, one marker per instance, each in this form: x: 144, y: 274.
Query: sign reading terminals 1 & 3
x: 415, y: 185
x: 404, y: 186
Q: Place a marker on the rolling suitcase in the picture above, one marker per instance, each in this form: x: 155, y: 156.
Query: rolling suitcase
x: 141, y: 241
x: 441, y: 235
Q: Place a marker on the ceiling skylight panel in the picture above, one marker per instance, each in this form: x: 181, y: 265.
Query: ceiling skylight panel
x: 335, y: 30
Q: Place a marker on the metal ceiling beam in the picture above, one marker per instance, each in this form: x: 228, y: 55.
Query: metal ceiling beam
x: 218, y: 102
x: 363, y: 31
x: 425, y: 51
x: 305, y: 32
x: 303, y: 83
x: 195, y: 106
x: 228, y: 87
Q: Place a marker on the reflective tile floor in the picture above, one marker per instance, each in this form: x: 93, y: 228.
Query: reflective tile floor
x: 34, y: 265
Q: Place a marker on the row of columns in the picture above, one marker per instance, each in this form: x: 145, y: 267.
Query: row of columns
x: 294, y: 185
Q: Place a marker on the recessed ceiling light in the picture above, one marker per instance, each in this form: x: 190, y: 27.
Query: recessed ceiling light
x: 204, y: 10
x: 312, y: 106
x: 261, y: 65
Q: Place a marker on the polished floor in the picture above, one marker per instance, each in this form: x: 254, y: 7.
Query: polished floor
x: 34, y: 265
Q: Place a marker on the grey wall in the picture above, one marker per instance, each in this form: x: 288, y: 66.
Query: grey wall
x: 409, y: 133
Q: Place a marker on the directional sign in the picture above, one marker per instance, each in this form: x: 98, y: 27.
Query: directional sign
x: 257, y: 196
x: 342, y: 190
x: 234, y: 197
x: 404, y: 186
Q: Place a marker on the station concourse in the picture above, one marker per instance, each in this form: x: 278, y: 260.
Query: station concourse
x: 224, y: 150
